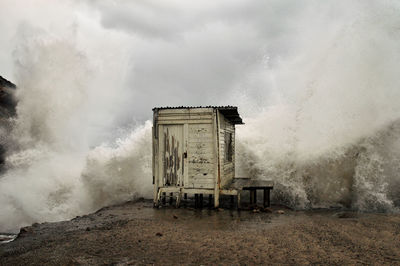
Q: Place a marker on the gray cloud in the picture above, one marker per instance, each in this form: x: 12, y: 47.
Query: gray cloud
x: 199, y: 54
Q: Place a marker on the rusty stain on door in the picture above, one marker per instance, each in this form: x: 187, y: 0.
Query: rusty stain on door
x: 173, y: 155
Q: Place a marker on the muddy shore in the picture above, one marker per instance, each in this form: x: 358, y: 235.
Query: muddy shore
x: 136, y: 233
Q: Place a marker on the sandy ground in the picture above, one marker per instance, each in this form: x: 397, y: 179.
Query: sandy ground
x: 135, y: 233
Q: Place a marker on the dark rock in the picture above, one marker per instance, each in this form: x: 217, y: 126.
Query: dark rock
x: 25, y: 230
x: 159, y: 234
x: 8, y: 106
x: 7, y: 100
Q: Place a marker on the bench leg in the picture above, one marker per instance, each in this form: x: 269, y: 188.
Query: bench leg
x: 267, y: 200
x: 178, y: 199
x: 201, y: 201
x: 164, y: 196
x: 238, y: 201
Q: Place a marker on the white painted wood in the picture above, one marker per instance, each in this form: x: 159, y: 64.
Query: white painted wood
x: 216, y: 125
x: 198, y: 191
x: 200, y: 156
x: 185, y: 111
x: 155, y: 164
x: 185, y: 155
x: 171, y: 142
x: 184, y: 121
x: 232, y: 192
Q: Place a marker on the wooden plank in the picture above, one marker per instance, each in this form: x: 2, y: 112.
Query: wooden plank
x: 185, y: 111
x: 170, y: 189
x: 202, y: 185
x: 198, y: 190
x: 206, y: 141
x: 228, y: 192
x: 186, y: 148
x: 201, y: 173
x: 200, y: 180
x: 217, y: 180
x: 180, y: 117
x: 160, y: 156
x: 155, y: 164
x: 163, y: 114
x: 176, y: 122
x: 203, y: 151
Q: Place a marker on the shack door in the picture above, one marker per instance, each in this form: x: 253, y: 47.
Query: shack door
x: 171, y: 152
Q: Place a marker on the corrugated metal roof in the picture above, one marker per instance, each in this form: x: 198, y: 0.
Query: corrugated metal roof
x: 230, y: 112
x: 192, y: 107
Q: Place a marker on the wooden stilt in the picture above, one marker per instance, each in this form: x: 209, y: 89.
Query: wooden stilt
x: 171, y: 198
x: 196, y: 200
x: 238, y: 200
x: 201, y: 201
x: 265, y: 198
x: 178, y: 199
x: 210, y: 203
x: 164, y: 195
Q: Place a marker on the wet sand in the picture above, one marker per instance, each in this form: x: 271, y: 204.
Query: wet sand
x: 135, y: 233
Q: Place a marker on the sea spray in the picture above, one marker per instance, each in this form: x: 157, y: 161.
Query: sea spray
x: 330, y: 139
x: 61, y: 112
x: 114, y: 174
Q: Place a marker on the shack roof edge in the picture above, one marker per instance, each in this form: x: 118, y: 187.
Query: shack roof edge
x: 230, y: 112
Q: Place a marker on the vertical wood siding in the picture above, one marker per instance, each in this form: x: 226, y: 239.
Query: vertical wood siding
x: 201, y: 156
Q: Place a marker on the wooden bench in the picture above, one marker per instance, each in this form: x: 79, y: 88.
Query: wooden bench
x: 252, y: 185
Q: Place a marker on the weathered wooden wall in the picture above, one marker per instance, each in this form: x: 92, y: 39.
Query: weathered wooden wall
x: 190, y: 151
x: 201, y: 156
x: 194, y: 147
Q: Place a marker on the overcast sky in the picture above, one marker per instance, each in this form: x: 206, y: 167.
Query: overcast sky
x: 173, y: 52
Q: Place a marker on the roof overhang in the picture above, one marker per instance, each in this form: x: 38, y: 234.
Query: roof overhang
x: 230, y: 112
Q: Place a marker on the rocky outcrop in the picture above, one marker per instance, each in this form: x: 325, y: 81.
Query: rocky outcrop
x: 7, y: 110
x: 7, y: 101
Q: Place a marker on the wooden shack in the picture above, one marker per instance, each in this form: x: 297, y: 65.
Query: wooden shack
x: 194, y: 152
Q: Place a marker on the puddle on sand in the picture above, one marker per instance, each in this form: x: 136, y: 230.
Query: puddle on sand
x: 226, y: 219
x: 6, y: 238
